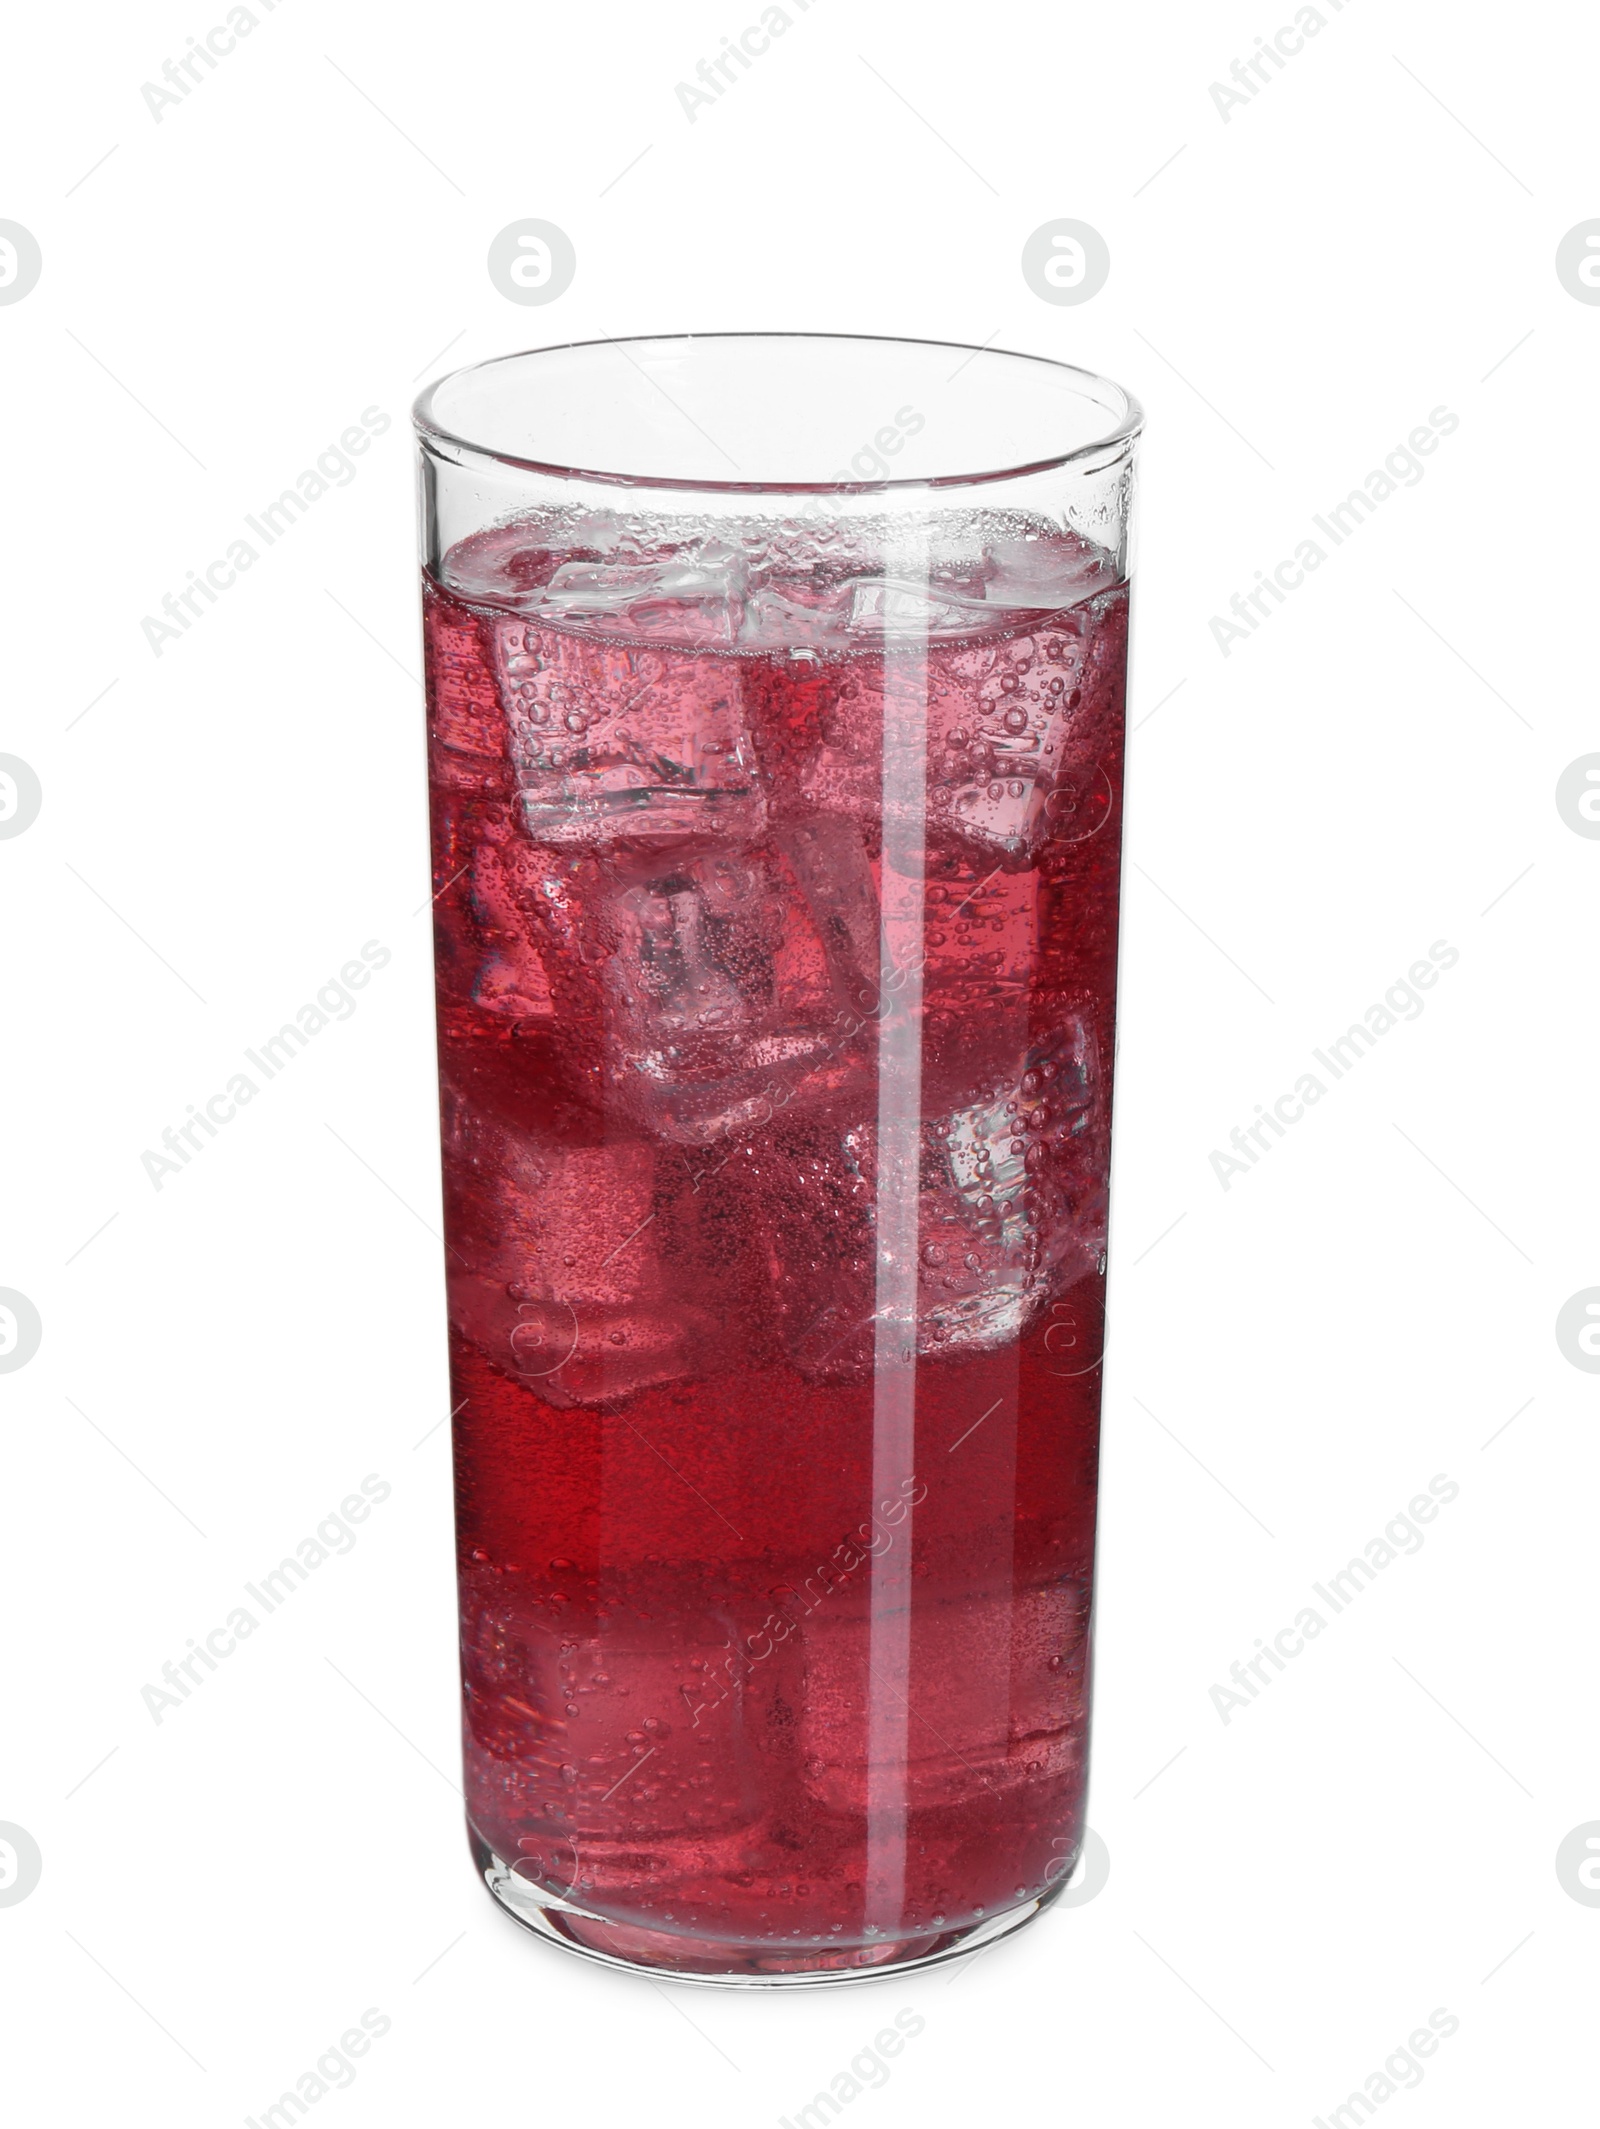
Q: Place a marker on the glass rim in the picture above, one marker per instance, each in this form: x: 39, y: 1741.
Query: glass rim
x: 1123, y: 429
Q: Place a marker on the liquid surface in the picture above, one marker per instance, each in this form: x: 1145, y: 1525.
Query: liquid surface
x: 776, y: 927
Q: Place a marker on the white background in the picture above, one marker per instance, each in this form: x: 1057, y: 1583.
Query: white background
x: 304, y: 236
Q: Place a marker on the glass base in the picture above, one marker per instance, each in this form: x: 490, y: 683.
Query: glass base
x: 575, y: 1928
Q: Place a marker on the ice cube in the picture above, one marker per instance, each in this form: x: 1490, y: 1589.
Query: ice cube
x: 1017, y: 727
x: 830, y: 863
x: 696, y: 598
x: 554, y: 1270
x: 611, y: 742
x: 980, y: 952
x: 467, y: 722
x: 996, y: 1693
x: 600, y: 529
x: 1046, y: 573
x: 884, y: 607
x: 1019, y: 1212
x: 583, y: 1732
x: 734, y: 987
x: 1011, y: 1211
x: 507, y: 929
x: 549, y: 886
x: 511, y: 978
x: 507, y: 565
x: 597, y: 1732
x: 776, y: 621
x: 1039, y: 713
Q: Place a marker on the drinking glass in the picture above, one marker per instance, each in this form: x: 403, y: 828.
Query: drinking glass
x: 775, y: 707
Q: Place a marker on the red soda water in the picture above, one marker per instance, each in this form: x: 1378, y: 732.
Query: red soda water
x: 776, y: 922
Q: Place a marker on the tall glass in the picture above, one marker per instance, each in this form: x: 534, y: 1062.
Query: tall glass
x: 775, y: 700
